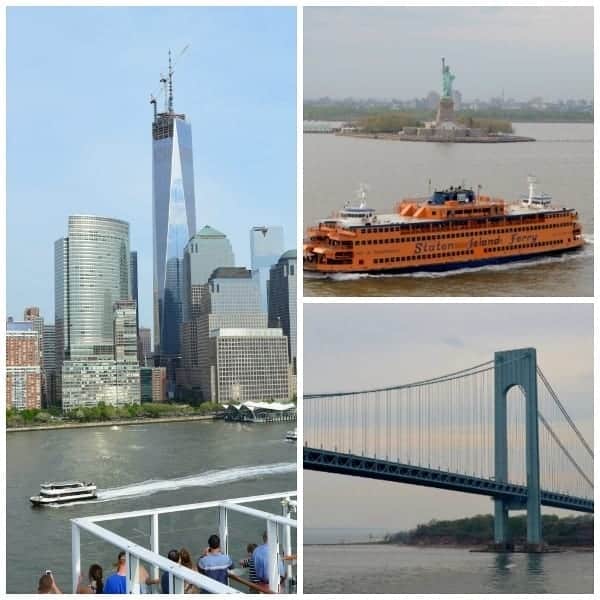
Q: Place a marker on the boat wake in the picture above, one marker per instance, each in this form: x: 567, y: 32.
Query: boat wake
x: 586, y: 252
x: 206, y: 479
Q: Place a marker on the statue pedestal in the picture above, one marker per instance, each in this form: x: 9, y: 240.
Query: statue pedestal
x: 445, y: 111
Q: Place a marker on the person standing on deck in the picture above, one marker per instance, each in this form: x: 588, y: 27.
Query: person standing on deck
x: 261, y: 562
x: 214, y: 563
x: 116, y: 583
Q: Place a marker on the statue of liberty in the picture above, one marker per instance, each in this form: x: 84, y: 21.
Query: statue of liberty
x: 447, y: 79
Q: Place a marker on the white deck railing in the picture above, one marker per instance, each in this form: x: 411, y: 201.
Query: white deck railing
x: 178, y: 574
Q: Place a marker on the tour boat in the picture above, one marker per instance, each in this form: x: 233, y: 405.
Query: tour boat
x: 453, y: 228
x: 291, y: 436
x: 57, y: 492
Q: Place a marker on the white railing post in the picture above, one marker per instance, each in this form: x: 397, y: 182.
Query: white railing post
x: 134, y: 573
x: 75, y: 555
x: 171, y: 583
x: 287, y: 539
x: 273, y: 545
x: 178, y: 585
x: 154, y: 541
x: 128, y: 573
x: 223, y: 529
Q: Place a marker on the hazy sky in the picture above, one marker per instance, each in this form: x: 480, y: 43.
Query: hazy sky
x: 396, y: 51
x: 79, y: 127
x: 361, y: 346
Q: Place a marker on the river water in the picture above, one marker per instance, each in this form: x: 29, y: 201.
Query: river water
x: 137, y: 467
x: 561, y: 158
x: 370, y: 569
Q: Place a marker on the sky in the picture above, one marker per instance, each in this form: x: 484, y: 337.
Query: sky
x: 79, y: 128
x: 361, y: 346
x: 395, y: 52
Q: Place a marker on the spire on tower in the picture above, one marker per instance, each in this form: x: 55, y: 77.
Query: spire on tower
x: 170, y: 84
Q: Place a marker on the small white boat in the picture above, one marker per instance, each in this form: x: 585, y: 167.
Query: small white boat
x: 291, y: 436
x: 535, y: 199
x: 56, y: 492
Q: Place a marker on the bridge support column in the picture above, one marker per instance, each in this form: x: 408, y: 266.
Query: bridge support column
x: 501, y: 533
x: 517, y: 367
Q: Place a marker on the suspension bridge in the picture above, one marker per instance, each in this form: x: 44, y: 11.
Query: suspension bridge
x: 496, y: 429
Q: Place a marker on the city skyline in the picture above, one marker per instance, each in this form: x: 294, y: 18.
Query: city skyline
x: 105, y: 169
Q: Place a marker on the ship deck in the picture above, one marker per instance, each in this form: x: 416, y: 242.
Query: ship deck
x: 278, y: 526
x: 383, y: 219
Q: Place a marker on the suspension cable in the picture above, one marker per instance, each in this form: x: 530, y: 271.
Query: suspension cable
x: 564, y: 412
x: 566, y: 452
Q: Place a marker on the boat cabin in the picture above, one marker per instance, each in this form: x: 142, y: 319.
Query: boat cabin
x: 458, y: 194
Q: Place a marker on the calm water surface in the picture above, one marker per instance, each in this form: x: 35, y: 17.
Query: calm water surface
x: 561, y: 158
x: 137, y: 467
x: 356, y: 569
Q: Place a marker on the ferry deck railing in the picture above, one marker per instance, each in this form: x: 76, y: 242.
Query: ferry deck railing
x: 178, y: 574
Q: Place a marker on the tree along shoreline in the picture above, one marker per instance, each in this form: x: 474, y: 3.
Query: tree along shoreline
x: 349, y: 113
x: 122, y: 422
x: 576, y: 549
x: 106, y: 414
x: 567, y: 532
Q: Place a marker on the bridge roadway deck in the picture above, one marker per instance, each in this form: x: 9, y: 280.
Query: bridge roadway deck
x: 377, y: 468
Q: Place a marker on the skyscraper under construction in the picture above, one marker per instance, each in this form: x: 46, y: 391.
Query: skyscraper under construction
x: 174, y: 222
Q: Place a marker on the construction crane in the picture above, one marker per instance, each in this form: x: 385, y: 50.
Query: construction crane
x: 166, y: 83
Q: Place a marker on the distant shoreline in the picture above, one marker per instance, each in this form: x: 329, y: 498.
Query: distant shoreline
x: 482, y: 139
x: 120, y: 422
x: 586, y: 549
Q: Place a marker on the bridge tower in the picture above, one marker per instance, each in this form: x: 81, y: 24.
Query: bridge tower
x: 517, y: 367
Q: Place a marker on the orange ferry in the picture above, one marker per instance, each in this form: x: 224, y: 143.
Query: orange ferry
x: 451, y: 230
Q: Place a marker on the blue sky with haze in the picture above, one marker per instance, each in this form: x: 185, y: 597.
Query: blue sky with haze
x: 79, y: 127
x: 375, y: 52
x: 350, y: 347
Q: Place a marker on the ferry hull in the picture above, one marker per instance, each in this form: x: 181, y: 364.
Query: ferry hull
x: 37, y: 501
x: 439, y: 268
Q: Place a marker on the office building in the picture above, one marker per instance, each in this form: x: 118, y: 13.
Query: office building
x: 153, y: 384
x: 266, y: 246
x: 206, y: 251
x: 32, y: 314
x: 282, y: 300
x: 23, y: 369
x: 146, y: 346
x: 238, y: 356
x: 159, y: 384
x: 146, y: 384
x: 133, y: 294
x: 174, y: 222
x: 248, y: 365
x: 91, y: 277
x: 125, y: 331
x: 49, y: 394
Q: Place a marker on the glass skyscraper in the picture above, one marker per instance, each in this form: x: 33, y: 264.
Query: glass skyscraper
x: 282, y: 300
x: 91, y: 277
x: 92, y: 273
x: 266, y: 246
x: 174, y: 222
